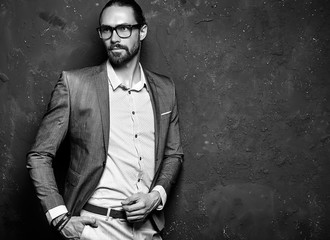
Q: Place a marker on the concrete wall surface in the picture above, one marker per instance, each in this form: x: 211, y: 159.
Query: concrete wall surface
x: 253, y: 87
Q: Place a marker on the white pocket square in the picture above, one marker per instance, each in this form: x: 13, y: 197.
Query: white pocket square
x: 165, y: 113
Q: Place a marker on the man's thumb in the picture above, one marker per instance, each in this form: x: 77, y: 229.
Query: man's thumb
x: 89, y: 221
x: 130, y: 200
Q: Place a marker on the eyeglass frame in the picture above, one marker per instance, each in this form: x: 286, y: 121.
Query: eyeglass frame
x: 129, y: 26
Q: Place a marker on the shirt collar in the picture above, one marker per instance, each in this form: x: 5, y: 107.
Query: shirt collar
x: 115, y: 81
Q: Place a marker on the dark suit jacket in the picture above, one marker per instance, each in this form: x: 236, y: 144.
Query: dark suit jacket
x: 79, y: 109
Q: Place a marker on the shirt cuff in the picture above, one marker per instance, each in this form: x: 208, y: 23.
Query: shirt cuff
x: 163, y: 196
x: 55, y: 212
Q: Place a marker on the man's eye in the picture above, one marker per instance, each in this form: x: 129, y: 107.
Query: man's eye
x: 106, y: 29
x: 123, y: 28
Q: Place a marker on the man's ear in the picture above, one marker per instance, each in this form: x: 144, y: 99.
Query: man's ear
x: 143, y: 32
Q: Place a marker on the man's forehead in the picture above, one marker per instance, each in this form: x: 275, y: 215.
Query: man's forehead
x: 118, y: 15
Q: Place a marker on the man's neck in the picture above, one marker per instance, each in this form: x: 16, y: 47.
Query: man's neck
x: 129, y: 73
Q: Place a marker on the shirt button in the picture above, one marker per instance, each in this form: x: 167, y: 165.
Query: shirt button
x: 133, y: 112
x: 136, y: 135
x: 140, y: 158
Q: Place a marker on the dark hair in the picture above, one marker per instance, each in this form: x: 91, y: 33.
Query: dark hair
x: 138, y: 13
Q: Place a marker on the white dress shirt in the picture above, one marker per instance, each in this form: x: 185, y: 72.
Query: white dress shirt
x: 130, y: 166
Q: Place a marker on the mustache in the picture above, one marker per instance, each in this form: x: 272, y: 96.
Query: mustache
x: 117, y: 46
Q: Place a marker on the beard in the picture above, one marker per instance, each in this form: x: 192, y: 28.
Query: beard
x: 118, y: 59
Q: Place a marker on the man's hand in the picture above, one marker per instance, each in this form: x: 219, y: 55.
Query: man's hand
x: 139, y: 205
x: 75, y: 226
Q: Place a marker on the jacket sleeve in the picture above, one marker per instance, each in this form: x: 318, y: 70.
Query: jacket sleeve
x: 173, y: 153
x: 51, y: 133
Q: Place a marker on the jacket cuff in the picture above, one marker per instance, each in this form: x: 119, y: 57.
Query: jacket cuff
x: 163, y: 196
x: 53, y: 213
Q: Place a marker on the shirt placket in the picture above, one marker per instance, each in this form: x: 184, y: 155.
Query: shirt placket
x: 136, y: 133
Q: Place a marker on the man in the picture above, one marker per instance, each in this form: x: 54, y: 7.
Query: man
x: 125, y: 151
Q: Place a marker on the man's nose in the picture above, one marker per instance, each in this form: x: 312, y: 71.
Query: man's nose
x: 114, y: 37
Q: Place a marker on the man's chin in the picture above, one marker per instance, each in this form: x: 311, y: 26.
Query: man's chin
x: 117, y: 62
x: 120, y: 58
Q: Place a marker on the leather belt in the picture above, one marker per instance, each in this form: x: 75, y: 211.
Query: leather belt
x: 104, y: 211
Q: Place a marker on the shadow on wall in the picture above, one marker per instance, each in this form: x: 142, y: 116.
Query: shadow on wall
x: 253, y: 211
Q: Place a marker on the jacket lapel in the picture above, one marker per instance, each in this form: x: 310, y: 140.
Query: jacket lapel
x: 102, y: 88
x: 155, y: 106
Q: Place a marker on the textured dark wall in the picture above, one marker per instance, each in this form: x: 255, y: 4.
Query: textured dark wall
x: 253, y: 85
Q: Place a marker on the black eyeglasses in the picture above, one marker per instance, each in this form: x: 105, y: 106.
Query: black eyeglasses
x: 123, y: 31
